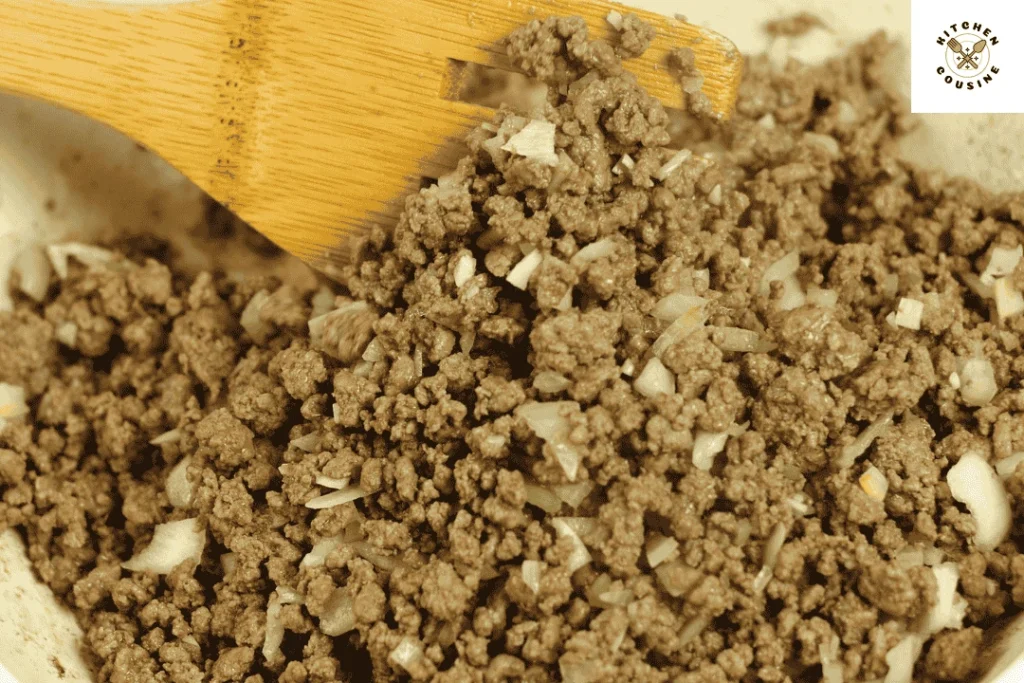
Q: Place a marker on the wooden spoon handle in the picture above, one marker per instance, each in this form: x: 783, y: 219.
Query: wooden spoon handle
x: 105, y: 60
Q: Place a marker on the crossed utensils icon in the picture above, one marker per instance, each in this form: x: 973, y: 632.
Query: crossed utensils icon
x: 968, y: 57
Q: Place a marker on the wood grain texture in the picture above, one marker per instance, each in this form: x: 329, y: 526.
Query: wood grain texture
x: 308, y: 118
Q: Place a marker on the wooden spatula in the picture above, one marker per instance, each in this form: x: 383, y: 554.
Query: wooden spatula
x: 308, y: 118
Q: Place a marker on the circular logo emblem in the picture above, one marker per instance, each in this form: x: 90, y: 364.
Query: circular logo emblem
x: 968, y: 55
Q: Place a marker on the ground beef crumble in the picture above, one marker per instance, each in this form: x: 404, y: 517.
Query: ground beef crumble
x: 480, y: 547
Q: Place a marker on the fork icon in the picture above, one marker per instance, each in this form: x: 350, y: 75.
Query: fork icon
x: 968, y: 58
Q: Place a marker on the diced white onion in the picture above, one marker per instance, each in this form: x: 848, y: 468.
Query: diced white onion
x: 338, y: 617
x: 535, y: 141
x: 707, y: 445
x: 306, y: 442
x: 374, y: 351
x: 321, y: 549
x: 715, y: 196
x: 541, y: 497
x: 179, y: 491
x: 33, y: 271
x: 800, y: 503
x: 1009, y: 300
x: 549, y: 422
x: 580, y: 556
x: 831, y: 667
x: 550, y: 382
x: 615, y: 19
x: 170, y: 436
x: 907, y: 314
x: 1007, y: 466
x: 864, y: 440
x: 250, y: 320
x: 574, y: 668
x: 676, y: 305
x: 317, y: 325
x: 655, y: 379
x: 771, y: 555
x: 692, y: 629
x: 531, y: 574
x: 67, y: 334
x: 329, y: 500
x: 406, y: 653
x: 973, y: 482
x: 573, y: 494
x: 901, y: 659
x: 977, y: 381
x: 950, y: 607
x: 172, y: 544
x: 684, y: 326
x: 743, y: 531
x: 660, y: 548
x: 466, y: 341
x: 677, y: 160
x: 1002, y: 263
x: 331, y: 482
x: 628, y: 367
x: 87, y: 254
x: 874, y: 483
x: 322, y: 302
x: 465, y: 268
x: 823, y: 298
x: 593, y: 251
x: 624, y: 164
x: 228, y: 562
x: 519, y: 276
x: 565, y: 303
x: 784, y: 271
x: 274, y: 633
x: 12, y: 403
x: 739, y: 340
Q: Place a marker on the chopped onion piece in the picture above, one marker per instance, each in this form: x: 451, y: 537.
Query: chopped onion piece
x: 616, y: 598
x: 550, y: 382
x: 12, y: 403
x: 170, y: 436
x: 973, y: 482
x: 823, y: 298
x: 250, y: 320
x: 321, y: 549
x: 306, y: 442
x: 715, y: 196
x: 615, y: 19
x: 331, y: 482
x: 1009, y: 300
x: 677, y: 304
x: 573, y: 494
x: 465, y: 268
x: 864, y: 440
x: 743, y: 530
x: 329, y: 500
x: 831, y: 667
x: 784, y: 271
x: 739, y: 340
x: 874, y: 483
x: 33, y: 271
x: 800, y: 503
x: 228, y: 562
x: 89, y: 255
x: 692, y: 629
x: 172, y: 544
x: 406, y: 653
x: 624, y: 164
x: 580, y: 556
x: 1002, y: 263
x: 565, y: 303
x: 535, y: 141
x: 677, y: 160
x: 682, y: 327
x: 771, y: 555
x: 519, y: 276
x: 540, y: 497
x: 549, y: 421
x: 322, y: 302
x: 909, y: 557
x: 950, y: 607
x: 977, y: 381
x: 707, y: 445
x: 179, y: 491
x: 374, y: 351
x: 660, y: 548
x: 954, y: 380
x: 568, y: 457
x: 317, y: 325
x: 628, y: 367
x: 575, y: 667
x: 288, y: 595
x: 274, y: 633
x: 1007, y: 466
x: 466, y: 341
x: 901, y: 659
x: 593, y: 251
x: 67, y: 334
x: 338, y: 617
x: 655, y: 379
x: 907, y: 314
x: 531, y: 574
